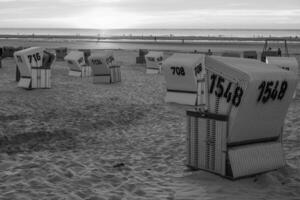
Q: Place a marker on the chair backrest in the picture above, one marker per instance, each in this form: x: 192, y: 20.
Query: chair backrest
x: 181, y: 71
x: 75, y: 60
x: 154, y: 58
x: 28, y: 58
x: 100, y: 62
x: 255, y: 95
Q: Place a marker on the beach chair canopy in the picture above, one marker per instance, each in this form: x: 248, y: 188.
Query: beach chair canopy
x: 181, y: 72
x: 75, y: 60
x: 255, y: 95
x: 28, y: 58
x: 76, y: 57
x: 101, y: 61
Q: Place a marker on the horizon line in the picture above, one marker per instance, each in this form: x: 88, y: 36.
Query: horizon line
x: 153, y: 28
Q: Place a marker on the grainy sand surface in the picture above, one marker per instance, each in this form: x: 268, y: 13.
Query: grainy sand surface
x: 79, y: 140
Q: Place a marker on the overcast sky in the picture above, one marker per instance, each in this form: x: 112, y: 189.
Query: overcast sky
x: 150, y: 14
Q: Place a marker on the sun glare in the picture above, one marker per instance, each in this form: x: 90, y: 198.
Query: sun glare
x: 106, y: 19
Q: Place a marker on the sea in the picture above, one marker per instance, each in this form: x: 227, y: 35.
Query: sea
x: 255, y: 33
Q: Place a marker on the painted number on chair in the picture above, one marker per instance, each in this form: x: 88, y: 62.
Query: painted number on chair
x: 80, y: 60
x: 178, y: 71
x: 36, y: 57
x: 96, y: 62
x: 223, y: 89
x: 271, y: 90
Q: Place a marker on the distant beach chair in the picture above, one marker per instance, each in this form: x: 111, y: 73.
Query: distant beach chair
x: 268, y: 54
x: 77, y: 65
x: 285, y: 63
x: 104, y: 67
x: 1, y: 52
x: 141, y: 58
x: 231, y: 54
x: 61, y: 53
x: 18, y: 74
x: 87, y: 53
x: 209, y: 52
x: 154, y: 62
x: 184, y: 75
x: 9, y: 51
x: 250, y: 54
x: 34, y: 66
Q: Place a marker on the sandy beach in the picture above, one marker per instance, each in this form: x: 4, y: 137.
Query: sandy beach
x: 82, y: 141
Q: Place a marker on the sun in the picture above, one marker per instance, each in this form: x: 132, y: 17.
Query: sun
x: 105, y: 18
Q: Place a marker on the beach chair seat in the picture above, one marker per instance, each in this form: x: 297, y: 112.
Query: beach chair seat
x: 77, y: 65
x: 104, y: 68
x: 34, y: 66
x: 154, y: 62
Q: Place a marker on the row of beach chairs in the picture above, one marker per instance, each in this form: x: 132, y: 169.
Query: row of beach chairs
x: 34, y: 67
x: 103, y: 67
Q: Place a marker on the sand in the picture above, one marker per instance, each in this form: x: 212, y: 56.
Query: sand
x: 79, y: 140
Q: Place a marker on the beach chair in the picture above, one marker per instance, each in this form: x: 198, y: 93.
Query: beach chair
x: 8, y: 51
x: 184, y: 75
x: 61, y: 53
x: 239, y: 134
x: 77, y: 65
x: 86, y: 53
x: 231, y: 54
x: 34, y: 66
x: 269, y: 52
x: 250, y: 54
x: 141, y: 58
x: 104, y: 67
x: 1, y: 54
x: 285, y: 63
x: 154, y: 62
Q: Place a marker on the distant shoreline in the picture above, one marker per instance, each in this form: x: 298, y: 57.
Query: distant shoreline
x: 190, y: 44
x: 137, y: 38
